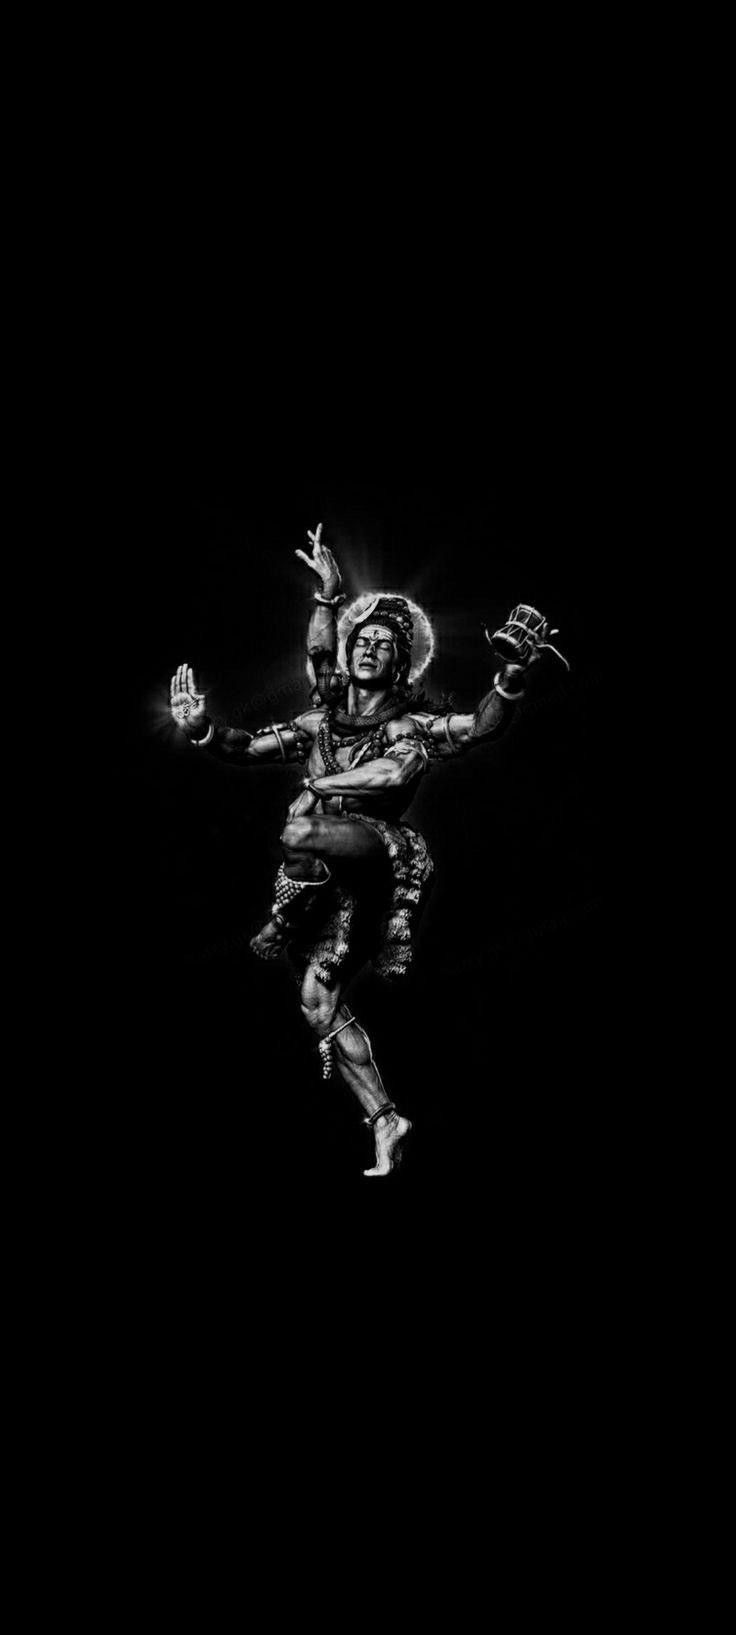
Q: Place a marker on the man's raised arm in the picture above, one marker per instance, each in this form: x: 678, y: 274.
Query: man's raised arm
x: 453, y: 734
x: 492, y: 715
x: 518, y: 644
x: 322, y: 632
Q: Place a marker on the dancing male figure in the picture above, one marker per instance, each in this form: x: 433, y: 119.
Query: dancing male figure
x: 354, y: 874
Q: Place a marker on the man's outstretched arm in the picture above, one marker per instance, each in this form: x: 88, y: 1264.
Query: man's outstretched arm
x: 281, y: 741
x: 518, y: 645
x: 491, y: 716
x: 457, y: 732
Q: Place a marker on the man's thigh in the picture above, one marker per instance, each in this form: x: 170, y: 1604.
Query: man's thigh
x: 335, y: 837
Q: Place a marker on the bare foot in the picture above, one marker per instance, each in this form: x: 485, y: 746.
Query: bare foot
x: 388, y: 1133
x: 270, y: 941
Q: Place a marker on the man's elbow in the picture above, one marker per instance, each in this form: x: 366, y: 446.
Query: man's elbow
x: 401, y: 772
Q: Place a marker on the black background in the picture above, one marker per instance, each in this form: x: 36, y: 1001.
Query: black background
x: 406, y: 308
x: 470, y: 486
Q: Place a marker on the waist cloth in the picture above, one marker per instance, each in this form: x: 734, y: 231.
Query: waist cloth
x: 368, y: 911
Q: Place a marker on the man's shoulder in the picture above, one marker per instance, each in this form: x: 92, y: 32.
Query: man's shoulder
x: 405, y: 726
x: 309, y: 720
x: 424, y: 719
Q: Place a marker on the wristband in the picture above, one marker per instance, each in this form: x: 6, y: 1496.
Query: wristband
x: 329, y: 601
x: 511, y: 697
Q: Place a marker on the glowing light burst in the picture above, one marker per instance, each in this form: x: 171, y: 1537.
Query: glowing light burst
x: 359, y: 609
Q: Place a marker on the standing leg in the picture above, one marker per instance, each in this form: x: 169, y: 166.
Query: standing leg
x: 339, y: 1033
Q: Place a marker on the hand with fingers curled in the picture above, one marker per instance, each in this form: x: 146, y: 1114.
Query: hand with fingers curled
x: 305, y: 803
x: 322, y: 562
x: 188, y: 706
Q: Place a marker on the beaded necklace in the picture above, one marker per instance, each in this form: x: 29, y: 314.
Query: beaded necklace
x: 369, y: 748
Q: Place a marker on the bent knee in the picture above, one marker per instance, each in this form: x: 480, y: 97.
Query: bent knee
x: 321, y: 1016
x: 298, y: 833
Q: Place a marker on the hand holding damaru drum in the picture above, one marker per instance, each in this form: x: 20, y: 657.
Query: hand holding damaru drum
x: 523, y: 637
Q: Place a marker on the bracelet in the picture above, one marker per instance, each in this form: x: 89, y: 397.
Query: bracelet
x: 511, y: 697
x: 199, y: 743
x: 329, y: 601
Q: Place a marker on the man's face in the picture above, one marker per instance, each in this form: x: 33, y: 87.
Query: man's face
x: 373, y: 657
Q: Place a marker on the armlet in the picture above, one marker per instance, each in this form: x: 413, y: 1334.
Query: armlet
x: 279, y: 727
x: 455, y: 748
x: 417, y: 740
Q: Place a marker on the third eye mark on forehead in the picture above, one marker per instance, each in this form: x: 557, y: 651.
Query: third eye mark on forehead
x: 379, y: 638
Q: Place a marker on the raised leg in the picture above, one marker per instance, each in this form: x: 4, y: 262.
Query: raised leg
x: 308, y: 843
x: 326, y: 836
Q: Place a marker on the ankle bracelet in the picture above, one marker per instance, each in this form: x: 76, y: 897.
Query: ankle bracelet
x: 389, y: 1107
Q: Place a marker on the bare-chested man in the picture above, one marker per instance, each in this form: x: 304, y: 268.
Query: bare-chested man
x: 354, y: 875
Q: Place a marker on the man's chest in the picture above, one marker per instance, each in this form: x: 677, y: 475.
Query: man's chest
x: 326, y: 754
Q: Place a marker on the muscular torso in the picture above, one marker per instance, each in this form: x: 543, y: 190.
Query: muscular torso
x: 388, y: 803
x: 411, y: 741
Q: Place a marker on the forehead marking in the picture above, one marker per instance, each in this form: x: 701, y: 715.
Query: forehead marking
x: 376, y: 630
